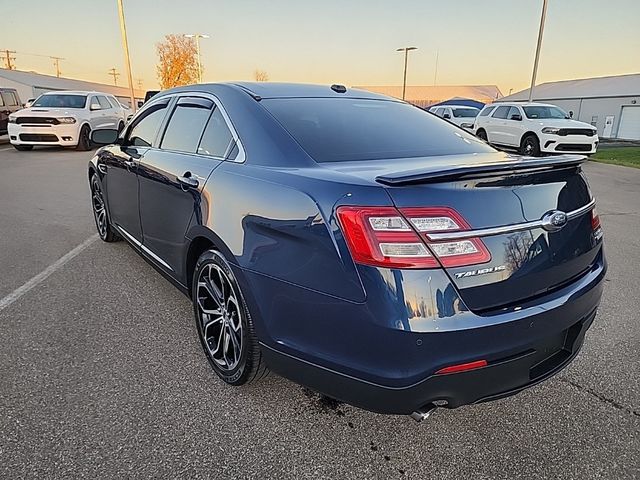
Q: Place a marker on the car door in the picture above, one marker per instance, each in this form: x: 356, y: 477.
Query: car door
x: 121, y: 163
x: 108, y: 115
x: 513, y: 129
x: 195, y: 141
x: 496, y: 125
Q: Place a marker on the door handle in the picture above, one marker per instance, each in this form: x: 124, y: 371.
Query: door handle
x: 188, y: 181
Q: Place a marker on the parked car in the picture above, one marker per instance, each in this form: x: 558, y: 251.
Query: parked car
x: 461, y: 115
x: 534, y: 129
x: 65, y: 119
x: 9, y: 103
x: 354, y: 243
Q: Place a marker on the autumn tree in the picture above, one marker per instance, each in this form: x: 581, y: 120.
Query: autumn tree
x: 177, y: 62
x: 261, y: 76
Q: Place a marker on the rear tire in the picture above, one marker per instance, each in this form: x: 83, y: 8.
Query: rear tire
x: 530, y: 146
x: 23, y: 148
x: 224, y: 324
x: 482, y: 135
x: 84, y: 139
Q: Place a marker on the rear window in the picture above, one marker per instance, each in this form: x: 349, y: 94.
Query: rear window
x: 465, y: 112
x: 345, y: 129
x: 61, y: 101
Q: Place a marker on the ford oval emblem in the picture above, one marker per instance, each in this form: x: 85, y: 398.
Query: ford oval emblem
x: 554, y: 220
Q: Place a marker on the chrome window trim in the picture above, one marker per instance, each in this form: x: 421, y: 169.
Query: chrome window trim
x: 517, y: 227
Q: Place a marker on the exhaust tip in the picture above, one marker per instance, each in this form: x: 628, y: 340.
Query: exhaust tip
x: 423, y: 413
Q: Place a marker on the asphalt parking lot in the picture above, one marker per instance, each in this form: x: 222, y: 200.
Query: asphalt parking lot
x: 102, y: 375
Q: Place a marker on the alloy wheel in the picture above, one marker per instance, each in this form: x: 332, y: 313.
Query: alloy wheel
x: 99, y: 212
x: 219, y: 317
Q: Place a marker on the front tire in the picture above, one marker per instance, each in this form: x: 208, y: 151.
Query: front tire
x: 84, y: 139
x: 482, y: 135
x: 224, y: 324
x: 23, y: 148
x: 530, y: 146
x: 100, y: 215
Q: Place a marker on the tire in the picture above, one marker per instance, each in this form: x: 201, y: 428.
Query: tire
x: 482, y: 135
x: 100, y: 214
x: 84, y: 139
x: 223, y: 322
x: 23, y: 148
x: 530, y: 146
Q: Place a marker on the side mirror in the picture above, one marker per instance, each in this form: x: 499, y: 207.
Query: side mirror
x: 104, y: 136
x: 95, y: 106
x: 446, y: 115
x: 517, y: 117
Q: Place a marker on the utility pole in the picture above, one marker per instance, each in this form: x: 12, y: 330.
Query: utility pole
x: 56, y: 62
x: 543, y: 17
x: 139, y: 82
x: 115, y: 75
x: 9, y: 59
x: 127, y: 60
x: 406, y: 51
x: 435, y: 73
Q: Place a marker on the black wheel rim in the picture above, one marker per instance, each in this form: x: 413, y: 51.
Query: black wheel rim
x: 99, y: 212
x: 220, y: 317
x: 528, y: 147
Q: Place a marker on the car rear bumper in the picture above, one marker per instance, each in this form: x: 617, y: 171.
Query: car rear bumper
x: 61, y: 135
x: 392, y: 368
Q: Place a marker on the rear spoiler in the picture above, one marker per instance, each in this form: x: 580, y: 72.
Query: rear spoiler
x: 427, y: 175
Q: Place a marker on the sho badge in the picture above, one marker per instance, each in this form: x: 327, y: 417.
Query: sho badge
x: 480, y: 271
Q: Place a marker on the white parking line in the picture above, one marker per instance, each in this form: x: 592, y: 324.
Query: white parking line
x: 39, y: 278
x: 6, y: 149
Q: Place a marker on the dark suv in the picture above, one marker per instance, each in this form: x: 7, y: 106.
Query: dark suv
x: 9, y: 103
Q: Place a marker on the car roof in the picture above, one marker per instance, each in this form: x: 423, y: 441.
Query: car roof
x: 522, y: 104
x: 75, y: 92
x: 304, y: 90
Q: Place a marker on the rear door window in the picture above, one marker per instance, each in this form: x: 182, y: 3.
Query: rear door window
x: 186, y: 125
x: 513, y: 111
x: 501, y: 112
x: 217, y: 137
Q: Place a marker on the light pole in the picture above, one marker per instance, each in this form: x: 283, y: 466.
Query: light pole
x: 543, y: 17
x: 127, y: 60
x: 406, y: 51
x: 198, y: 36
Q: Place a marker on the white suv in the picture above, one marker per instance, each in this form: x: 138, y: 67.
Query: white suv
x: 461, y: 115
x: 534, y: 129
x: 65, y: 119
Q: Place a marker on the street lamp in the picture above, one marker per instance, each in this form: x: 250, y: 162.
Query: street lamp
x: 198, y: 36
x: 543, y: 18
x: 406, y: 51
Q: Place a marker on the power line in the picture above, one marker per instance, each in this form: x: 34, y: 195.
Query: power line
x: 115, y: 75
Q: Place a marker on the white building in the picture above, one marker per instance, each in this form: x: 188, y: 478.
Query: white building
x: 427, y: 95
x: 611, y: 104
x: 30, y: 85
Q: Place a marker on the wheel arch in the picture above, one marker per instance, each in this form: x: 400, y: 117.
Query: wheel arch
x: 528, y: 133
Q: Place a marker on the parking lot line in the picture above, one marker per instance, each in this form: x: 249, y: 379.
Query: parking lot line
x: 5, y: 149
x: 40, y: 277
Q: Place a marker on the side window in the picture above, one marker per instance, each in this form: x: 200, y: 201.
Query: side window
x: 104, y: 104
x: 94, y: 104
x: 1, y: 101
x: 501, y: 112
x: 217, y: 136
x: 486, y: 111
x: 513, y: 111
x: 144, y: 130
x: 187, y: 124
x: 440, y: 112
x: 9, y: 99
x: 113, y: 102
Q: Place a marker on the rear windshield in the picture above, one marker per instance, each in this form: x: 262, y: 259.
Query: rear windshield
x: 60, y: 101
x: 544, y: 112
x: 465, y: 112
x: 346, y: 129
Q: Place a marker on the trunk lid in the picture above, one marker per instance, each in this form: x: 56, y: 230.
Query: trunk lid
x: 501, y: 190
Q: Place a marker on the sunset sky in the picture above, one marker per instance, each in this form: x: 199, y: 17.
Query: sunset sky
x: 328, y: 41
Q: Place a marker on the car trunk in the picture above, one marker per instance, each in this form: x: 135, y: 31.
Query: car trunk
x: 505, y: 191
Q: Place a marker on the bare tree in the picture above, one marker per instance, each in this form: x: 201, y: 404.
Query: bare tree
x: 177, y: 62
x: 261, y: 76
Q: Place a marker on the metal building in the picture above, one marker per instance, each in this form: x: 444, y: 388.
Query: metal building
x: 428, y: 95
x: 611, y: 104
x: 31, y: 84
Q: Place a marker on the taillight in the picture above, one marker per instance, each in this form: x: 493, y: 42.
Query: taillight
x: 595, y: 220
x: 387, y: 237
